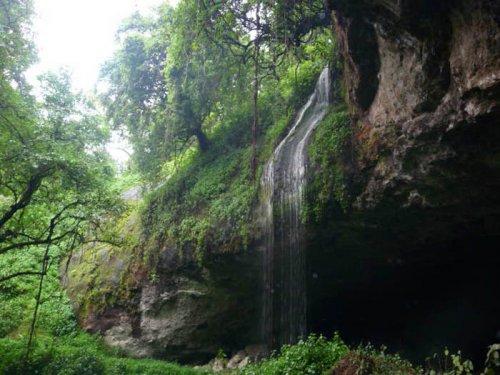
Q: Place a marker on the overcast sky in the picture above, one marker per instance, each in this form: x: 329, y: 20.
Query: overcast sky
x: 80, y: 35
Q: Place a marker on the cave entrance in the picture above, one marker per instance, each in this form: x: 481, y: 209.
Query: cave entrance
x: 414, y: 299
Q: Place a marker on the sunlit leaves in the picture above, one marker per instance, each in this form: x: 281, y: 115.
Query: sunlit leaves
x: 16, y: 49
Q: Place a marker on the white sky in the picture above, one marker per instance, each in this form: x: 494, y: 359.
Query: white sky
x: 80, y: 35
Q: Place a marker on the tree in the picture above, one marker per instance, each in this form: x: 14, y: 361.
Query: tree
x: 54, y: 177
x: 198, y: 74
x: 260, y: 31
x: 165, y: 83
x: 136, y: 96
x: 175, y: 72
x: 16, y: 51
x: 53, y: 170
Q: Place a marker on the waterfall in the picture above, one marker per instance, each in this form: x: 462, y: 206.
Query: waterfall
x: 284, y: 312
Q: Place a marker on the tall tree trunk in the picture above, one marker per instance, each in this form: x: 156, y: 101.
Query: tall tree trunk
x: 202, y: 139
x: 45, y: 266
x: 255, y: 126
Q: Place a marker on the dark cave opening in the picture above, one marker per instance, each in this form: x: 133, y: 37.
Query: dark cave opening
x: 415, y: 302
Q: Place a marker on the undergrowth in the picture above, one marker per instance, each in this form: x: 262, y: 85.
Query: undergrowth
x: 314, y: 355
x: 320, y: 356
x: 78, y: 354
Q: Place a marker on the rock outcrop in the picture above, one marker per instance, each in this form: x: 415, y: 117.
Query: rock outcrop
x: 189, y: 314
x: 178, y: 310
x: 413, y: 263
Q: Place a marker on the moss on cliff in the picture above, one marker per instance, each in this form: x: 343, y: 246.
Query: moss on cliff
x: 204, y: 207
x: 328, y: 150
x: 99, y: 274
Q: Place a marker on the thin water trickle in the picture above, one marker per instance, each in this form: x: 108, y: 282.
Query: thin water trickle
x: 283, y: 181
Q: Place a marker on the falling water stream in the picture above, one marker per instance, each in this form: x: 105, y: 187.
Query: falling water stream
x: 283, y: 182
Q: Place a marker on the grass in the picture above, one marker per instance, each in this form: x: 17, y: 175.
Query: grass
x: 79, y: 354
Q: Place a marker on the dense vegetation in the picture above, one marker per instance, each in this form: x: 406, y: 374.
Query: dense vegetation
x: 54, y: 183
x: 204, y: 92
x: 191, y: 128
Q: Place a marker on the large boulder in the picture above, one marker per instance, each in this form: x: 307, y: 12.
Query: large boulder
x: 177, y: 310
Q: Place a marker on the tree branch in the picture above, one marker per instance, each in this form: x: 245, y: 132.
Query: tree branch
x: 33, y: 185
x: 22, y: 273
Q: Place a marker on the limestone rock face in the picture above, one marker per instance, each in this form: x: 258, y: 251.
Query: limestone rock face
x: 413, y: 258
x: 437, y: 72
x: 180, y: 312
x: 423, y: 81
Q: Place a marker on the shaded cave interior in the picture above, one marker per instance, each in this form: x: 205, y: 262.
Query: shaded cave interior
x: 414, y: 297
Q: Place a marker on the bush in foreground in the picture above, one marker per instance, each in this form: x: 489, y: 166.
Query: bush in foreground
x: 320, y: 356
x: 80, y: 354
x: 314, y: 355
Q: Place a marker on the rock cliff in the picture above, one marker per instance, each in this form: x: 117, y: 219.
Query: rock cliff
x: 413, y: 263
x: 412, y: 260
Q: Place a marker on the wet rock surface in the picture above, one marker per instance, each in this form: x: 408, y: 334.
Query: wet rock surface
x: 413, y: 263
x: 180, y: 312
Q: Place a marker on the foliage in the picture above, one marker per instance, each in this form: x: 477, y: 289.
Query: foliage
x: 54, y: 171
x: 17, y: 296
x: 183, y: 72
x: 136, y: 98
x: 492, y: 362
x: 55, y: 186
x: 241, y: 27
x: 369, y: 360
x: 205, y: 204
x: 314, y: 355
x: 199, y: 75
x: 366, y: 360
x: 317, y: 355
x: 16, y: 49
x: 78, y: 354
x: 328, y: 151
x: 449, y: 363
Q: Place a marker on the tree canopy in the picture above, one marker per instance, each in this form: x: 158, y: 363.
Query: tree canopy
x: 54, y: 171
x: 176, y: 73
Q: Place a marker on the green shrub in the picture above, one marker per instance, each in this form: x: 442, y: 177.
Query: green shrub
x: 80, y: 354
x: 492, y: 362
x: 57, y: 315
x: 366, y: 360
x: 314, y: 355
x: 13, y: 358
x: 449, y: 363
x: 75, y: 362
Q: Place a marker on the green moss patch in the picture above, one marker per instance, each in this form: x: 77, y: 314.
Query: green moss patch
x: 328, y: 151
